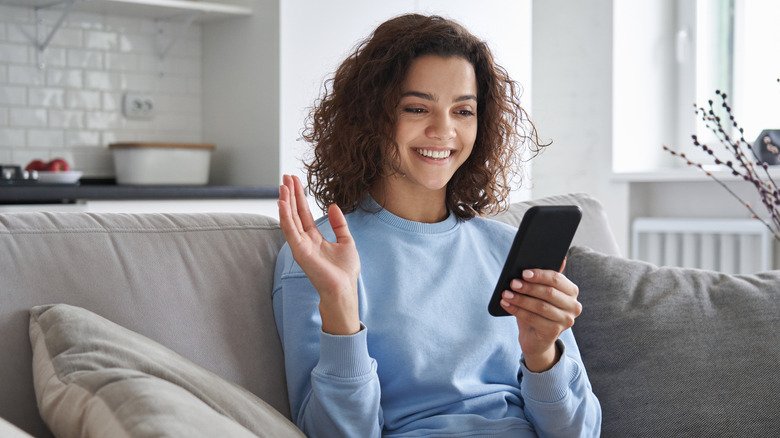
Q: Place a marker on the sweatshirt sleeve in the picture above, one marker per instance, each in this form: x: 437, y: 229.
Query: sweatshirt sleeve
x: 332, y: 382
x: 560, y: 402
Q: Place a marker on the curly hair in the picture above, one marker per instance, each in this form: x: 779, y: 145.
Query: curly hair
x: 352, y: 124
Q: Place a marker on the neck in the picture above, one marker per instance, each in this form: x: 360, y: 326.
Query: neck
x: 426, y: 207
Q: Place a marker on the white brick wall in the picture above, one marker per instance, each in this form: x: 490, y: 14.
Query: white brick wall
x: 72, y: 107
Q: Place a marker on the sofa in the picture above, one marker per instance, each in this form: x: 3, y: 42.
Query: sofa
x: 162, y: 325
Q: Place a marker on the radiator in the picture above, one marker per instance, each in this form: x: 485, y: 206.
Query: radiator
x: 734, y: 246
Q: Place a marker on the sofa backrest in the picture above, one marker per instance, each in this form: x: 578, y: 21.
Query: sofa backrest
x: 199, y: 284
x: 593, y: 231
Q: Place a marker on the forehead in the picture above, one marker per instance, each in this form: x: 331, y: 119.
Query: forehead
x: 441, y: 76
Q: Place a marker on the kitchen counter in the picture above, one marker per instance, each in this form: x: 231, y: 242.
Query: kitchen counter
x: 107, y: 190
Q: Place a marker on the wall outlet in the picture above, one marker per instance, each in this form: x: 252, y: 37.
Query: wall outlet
x: 138, y: 106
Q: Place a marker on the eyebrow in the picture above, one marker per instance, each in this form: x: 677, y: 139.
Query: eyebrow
x: 428, y: 96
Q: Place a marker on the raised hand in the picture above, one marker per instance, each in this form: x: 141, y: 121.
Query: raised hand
x: 332, y: 267
x: 544, y: 303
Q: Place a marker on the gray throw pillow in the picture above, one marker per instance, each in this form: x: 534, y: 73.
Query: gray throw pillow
x: 95, y: 378
x: 678, y: 352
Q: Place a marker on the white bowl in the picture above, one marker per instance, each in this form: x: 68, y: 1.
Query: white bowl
x: 61, y: 177
x: 161, y: 163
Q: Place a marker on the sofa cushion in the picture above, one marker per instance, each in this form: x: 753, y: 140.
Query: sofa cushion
x: 678, y: 352
x: 95, y: 378
x: 199, y: 284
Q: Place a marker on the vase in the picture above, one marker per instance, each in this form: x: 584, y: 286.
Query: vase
x: 767, y: 147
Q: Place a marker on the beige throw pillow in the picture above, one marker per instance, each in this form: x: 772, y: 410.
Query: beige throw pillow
x: 95, y: 378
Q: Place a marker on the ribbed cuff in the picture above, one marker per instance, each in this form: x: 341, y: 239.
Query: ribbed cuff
x: 344, y: 356
x: 552, y: 385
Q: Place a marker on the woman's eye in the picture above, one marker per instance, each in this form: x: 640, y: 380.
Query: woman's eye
x: 414, y: 110
x: 465, y: 112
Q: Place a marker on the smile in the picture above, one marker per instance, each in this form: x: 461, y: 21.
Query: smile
x: 436, y: 155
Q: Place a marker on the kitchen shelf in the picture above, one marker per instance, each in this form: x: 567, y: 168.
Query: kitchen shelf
x: 154, y: 9
x: 69, y: 193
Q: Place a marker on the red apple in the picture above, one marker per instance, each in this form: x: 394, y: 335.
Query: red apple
x: 37, y: 165
x: 57, y: 165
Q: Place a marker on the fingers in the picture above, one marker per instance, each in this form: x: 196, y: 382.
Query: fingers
x: 339, y: 224
x: 295, y: 217
x: 538, y: 322
x: 286, y: 222
x: 547, y: 294
x: 543, y: 312
x: 290, y: 184
x: 304, y: 214
x: 551, y: 278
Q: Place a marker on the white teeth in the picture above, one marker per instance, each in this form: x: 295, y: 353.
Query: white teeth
x: 434, y: 154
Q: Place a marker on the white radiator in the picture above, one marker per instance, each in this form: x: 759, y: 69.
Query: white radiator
x: 734, y: 246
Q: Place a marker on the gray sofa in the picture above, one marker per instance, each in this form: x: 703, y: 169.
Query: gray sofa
x: 670, y: 352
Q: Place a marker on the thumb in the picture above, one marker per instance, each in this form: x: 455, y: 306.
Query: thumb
x: 339, y: 224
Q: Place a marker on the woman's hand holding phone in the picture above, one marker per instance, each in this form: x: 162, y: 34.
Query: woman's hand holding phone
x: 542, y: 300
x: 332, y: 267
x: 544, y: 303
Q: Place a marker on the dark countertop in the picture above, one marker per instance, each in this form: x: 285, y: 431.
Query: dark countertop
x: 107, y: 190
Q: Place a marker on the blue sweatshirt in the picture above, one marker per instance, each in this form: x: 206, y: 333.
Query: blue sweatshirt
x: 429, y: 360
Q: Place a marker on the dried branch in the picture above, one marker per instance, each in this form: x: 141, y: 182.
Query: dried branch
x: 742, y: 165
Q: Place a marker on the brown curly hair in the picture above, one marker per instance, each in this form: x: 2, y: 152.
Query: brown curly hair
x: 352, y: 125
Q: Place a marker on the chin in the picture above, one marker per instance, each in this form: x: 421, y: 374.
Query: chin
x: 435, y: 185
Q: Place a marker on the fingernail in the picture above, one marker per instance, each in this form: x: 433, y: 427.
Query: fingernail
x: 504, y: 303
x: 528, y: 273
x: 516, y: 284
x: 507, y: 294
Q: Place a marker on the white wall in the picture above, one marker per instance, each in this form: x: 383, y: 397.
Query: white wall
x: 572, y: 80
x: 316, y: 36
x: 241, y: 96
x: 645, y: 77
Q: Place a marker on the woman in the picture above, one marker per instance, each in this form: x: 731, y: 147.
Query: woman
x: 382, y: 311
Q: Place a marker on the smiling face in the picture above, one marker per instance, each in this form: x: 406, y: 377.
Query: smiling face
x: 436, y: 126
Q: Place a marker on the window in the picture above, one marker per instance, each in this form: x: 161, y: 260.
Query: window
x: 738, y: 52
x: 668, y: 55
x: 714, y: 58
x: 757, y: 65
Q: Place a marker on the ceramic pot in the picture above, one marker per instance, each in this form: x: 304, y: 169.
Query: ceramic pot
x: 767, y: 147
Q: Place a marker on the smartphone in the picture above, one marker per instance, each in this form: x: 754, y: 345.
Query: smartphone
x: 542, y: 241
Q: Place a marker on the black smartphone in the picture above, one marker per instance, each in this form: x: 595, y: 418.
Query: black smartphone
x: 542, y: 242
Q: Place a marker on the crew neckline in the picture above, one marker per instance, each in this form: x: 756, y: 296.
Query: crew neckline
x: 370, y: 206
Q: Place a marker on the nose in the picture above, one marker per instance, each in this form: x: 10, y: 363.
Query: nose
x: 441, y: 128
